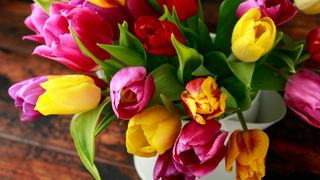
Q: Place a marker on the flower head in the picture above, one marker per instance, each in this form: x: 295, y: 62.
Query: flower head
x: 280, y: 11
x: 130, y: 91
x: 313, y: 47
x: 185, y: 8
x: 68, y: 94
x: 26, y: 94
x: 302, y: 95
x: 252, y: 36
x: 203, y: 99
x: 153, y: 131
x: 249, y: 150
x: 308, y: 6
x: 156, y: 35
x: 199, y: 148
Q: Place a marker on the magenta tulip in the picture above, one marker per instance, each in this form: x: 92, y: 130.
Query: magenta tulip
x: 200, y: 148
x: 130, y: 91
x: 25, y: 95
x: 302, y: 95
x: 280, y: 11
x: 59, y: 43
x: 166, y: 168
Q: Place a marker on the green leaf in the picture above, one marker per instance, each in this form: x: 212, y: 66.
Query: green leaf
x: 226, y: 21
x: 202, y: 71
x: 173, y: 108
x: 238, y: 90
x: 130, y: 41
x: 189, y: 60
x: 125, y: 55
x: 232, y: 104
x: 243, y: 71
x: 205, y: 39
x: 166, y: 83
x: 45, y: 4
x: 83, y: 131
x: 266, y: 79
x: 108, y: 118
x: 217, y: 63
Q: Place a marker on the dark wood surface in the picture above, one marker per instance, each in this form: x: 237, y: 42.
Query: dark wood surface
x: 43, y: 149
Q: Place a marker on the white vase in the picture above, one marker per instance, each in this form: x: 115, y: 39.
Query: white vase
x: 267, y: 109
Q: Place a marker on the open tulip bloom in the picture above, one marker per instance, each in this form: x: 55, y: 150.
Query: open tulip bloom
x: 154, y: 64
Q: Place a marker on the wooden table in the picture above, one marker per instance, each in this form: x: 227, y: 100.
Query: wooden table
x: 43, y: 149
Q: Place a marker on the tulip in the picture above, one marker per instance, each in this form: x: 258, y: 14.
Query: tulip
x: 130, y: 91
x: 139, y: 8
x: 59, y: 43
x: 165, y: 168
x: 252, y: 36
x: 313, y: 47
x: 185, y: 8
x: 308, y: 6
x: 280, y: 11
x: 200, y: 148
x: 302, y: 95
x: 69, y: 94
x: 156, y: 35
x: 203, y: 100
x: 153, y: 131
x: 26, y: 94
x: 249, y: 150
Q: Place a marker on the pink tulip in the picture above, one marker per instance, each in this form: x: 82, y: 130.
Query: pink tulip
x: 26, y: 94
x: 200, y: 148
x: 165, y: 168
x: 302, y: 95
x: 59, y: 43
x: 280, y: 11
x: 130, y: 91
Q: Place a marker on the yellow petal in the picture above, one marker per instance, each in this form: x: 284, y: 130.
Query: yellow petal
x: 108, y: 3
x: 233, y: 151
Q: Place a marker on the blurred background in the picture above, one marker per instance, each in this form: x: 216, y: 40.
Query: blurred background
x: 43, y: 149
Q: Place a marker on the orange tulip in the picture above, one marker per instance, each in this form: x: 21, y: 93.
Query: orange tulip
x: 108, y: 3
x: 249, y: 150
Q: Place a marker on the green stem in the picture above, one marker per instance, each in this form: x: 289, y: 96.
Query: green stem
x: 242, y: 121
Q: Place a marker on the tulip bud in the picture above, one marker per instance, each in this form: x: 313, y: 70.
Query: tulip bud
x: 69, y: 94
x: 185, y: 8
x: 308, y: 6
x: 302, y: 95
x: 153, y: 131
x: 203, y: 99
x: 313, y: 47
x: 249, y: 150
x: 252, y: 36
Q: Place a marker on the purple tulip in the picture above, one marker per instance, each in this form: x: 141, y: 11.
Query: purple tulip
x: 200, y: 148
x: 130, y: 91
x: 280, y: 11
x: 165, y: 168
x: 26, y: 94
x: 302, y: 95
x: 59, y: 43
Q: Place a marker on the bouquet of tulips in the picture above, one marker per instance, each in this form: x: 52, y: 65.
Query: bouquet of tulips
x: 154, y: 64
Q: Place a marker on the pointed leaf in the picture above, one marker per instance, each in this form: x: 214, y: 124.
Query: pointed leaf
x: 45, y: 4
x: 243, y: 71
x: 82, y: 130
x: 189, y: 60
x: 125, y: 55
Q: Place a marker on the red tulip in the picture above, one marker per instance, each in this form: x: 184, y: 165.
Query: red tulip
x: 313, y: 47
x: 156, y: 35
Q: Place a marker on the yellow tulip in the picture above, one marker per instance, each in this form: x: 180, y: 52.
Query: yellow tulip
x: 108, y: 3
x: 252, y: 36
x: 249, y: 150
x: 69, y: 94
x: 153, y: 131
x: 308, y: 6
